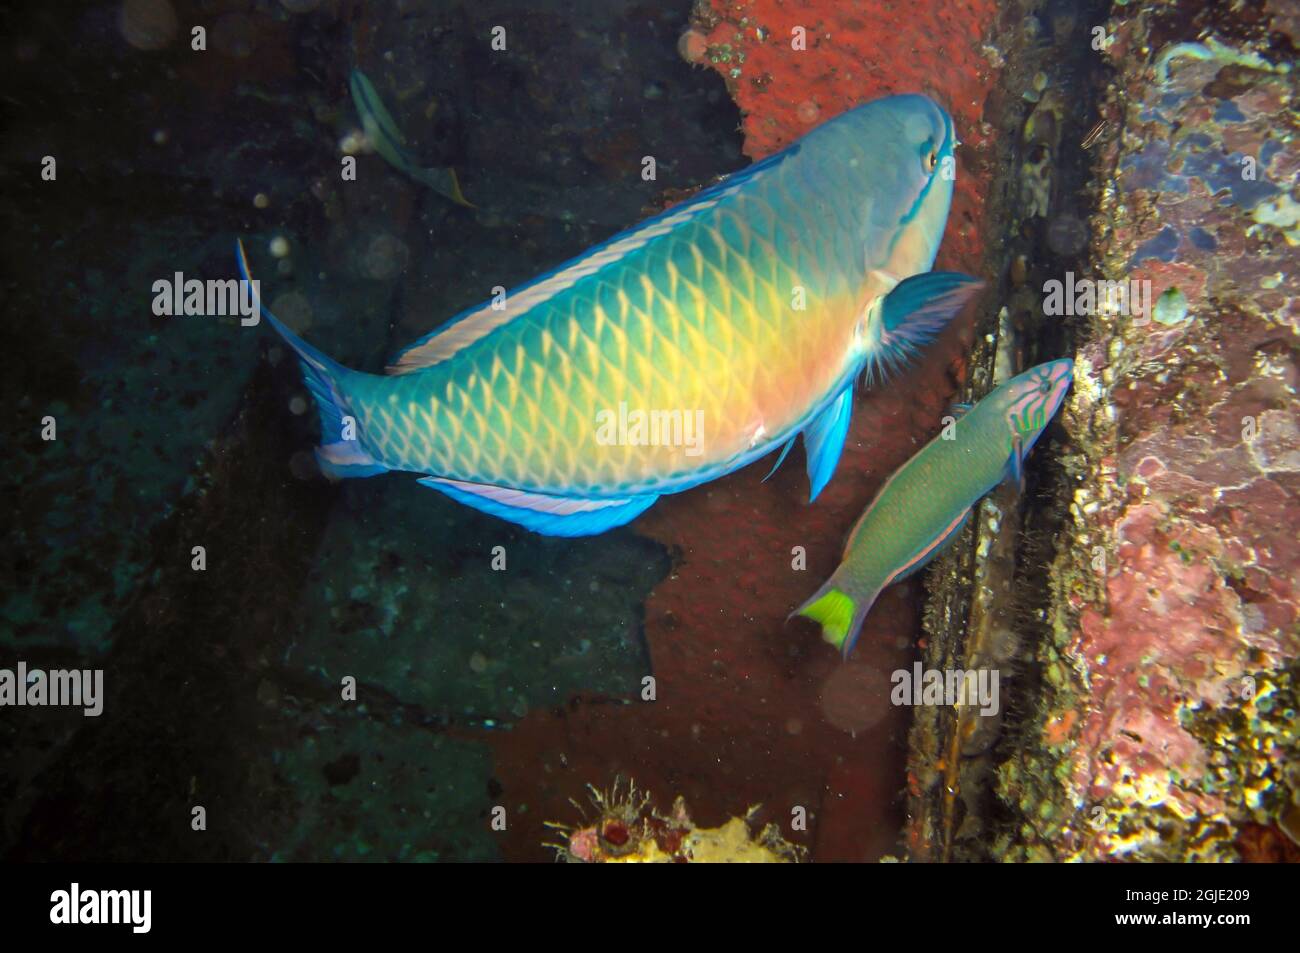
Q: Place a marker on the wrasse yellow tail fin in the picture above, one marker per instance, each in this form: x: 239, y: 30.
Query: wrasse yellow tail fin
x: 834, y: 611
x: 839, y: 613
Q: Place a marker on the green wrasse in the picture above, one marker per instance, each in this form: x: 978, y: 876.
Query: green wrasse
x: 679, y: 351
x: 925, y: 505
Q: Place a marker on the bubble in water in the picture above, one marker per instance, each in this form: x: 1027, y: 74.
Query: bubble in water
x: 294, y: 310
x: 1067, y: 235
x: 148, y: 24
x: 855, y: 697
x: 385, y: 258
x: 233, y: 35
x: 302, y: 465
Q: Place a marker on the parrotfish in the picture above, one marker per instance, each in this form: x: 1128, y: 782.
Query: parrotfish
x: 750, y: 309
x: 382, y: 133
x: 925, y: 505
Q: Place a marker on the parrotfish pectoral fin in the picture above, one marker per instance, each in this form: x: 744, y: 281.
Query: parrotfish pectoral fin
x: 338, y: 457
x: 823, y: 440
x: 541, y: 512
x: 916, y: 311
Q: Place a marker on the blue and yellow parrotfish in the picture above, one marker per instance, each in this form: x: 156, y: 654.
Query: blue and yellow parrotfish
x: 925, y: 505
x: 713, y: 334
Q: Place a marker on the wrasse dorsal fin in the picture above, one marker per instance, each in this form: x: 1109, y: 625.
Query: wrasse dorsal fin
x: 476, y: 323
x: 914, y: 313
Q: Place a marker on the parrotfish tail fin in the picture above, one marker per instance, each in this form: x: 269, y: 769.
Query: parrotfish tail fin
x: 839, y: 613
x: 913, y: 314
x: 340, y: 453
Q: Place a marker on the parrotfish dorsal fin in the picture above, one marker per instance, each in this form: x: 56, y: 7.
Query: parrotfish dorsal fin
x: 476, y: 323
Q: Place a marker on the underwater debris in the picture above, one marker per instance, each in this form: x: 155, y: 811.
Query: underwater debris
x: 383, y: 135
x: 1167, y: 716
x: 625, y: 829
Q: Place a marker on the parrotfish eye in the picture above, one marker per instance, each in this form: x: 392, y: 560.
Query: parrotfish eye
x: 931, y: 159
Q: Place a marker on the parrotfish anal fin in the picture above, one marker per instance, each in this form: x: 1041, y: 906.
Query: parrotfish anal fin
x: 933, y: 548
x: 823, y: 439
x: 916, y: 311
x: 475, y: 323
x: 542, y: 513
